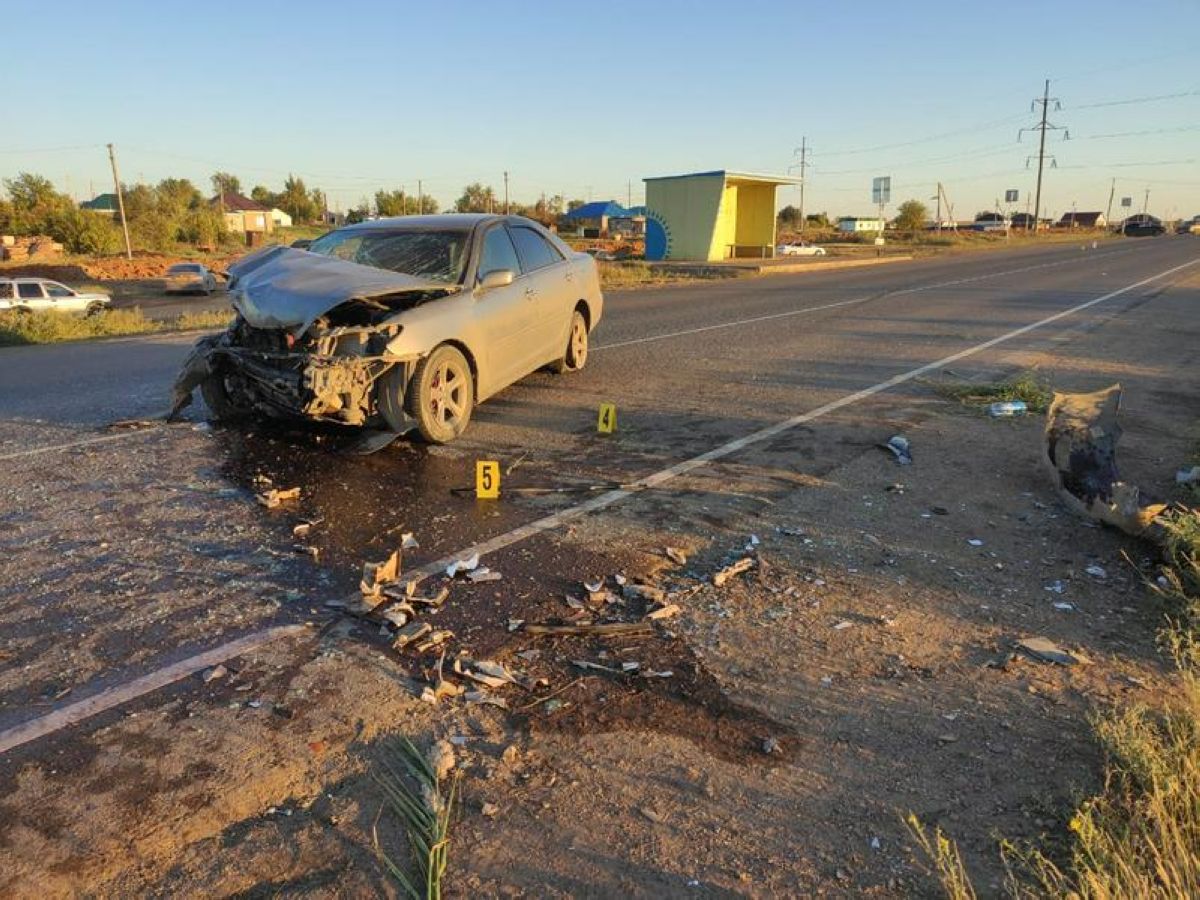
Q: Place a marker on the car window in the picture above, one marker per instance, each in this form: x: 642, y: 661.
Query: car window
x: 6, y: 290
x: 498, y: 253
x: 436, y: 255
x: 58, y: 290
x: 29, y: 291
x: 535, y: 251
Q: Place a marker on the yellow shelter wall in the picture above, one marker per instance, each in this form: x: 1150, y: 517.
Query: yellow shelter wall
x: 725, y: 232
x: 690, y: 208
x: 755, y: 215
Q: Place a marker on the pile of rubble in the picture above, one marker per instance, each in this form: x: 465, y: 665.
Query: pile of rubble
x: 36, y: 246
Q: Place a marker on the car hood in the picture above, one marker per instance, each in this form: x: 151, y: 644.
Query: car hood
x: 281, y: 287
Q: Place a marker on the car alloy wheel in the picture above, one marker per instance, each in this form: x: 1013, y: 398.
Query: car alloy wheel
x: 442, y: 395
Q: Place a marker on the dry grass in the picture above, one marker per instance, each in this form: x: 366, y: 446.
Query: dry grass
x: 56, y: 327
x: 944, y: 860
x: 634, y: 273
x: 1027, y: 386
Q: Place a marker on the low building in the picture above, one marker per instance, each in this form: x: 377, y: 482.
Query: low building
x: 280, y: 219
x: 105, y: 204
x: 711, y: 215
x: 856, y: 225
x: 1082, y: 220
x: 591, y: 220
x: 243, y: 215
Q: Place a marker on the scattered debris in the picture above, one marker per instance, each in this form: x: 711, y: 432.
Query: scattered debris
x: 1056, y: 587
x: 899, y: 447
x: 482, y: 574
x: 489, y: 810
x: 1096, y: 571
x: 376, y: 575
x: 397, y: 615
x: 408, y: 542
x: 135, y: 424
x: 1046, y: 650
x: 650, y: 673
x: 301, y: 530
x: 484, y: 671
x: 462, y: 565
x: 413, y: 631
x: 896, y: 488
x: 627, y: 629
x: 1081, y: 441
x: 213, y: 673
x: 593, y: 587
x: 653, y: 815
x: 584, y: 664
x: 842, y: 625
x: 313, y: 553
x: 435, y: 640
x: 644, y: 592
x: 441, y: 759
x: 1063, y: 606
x: 975, y: 542
x: 735, y: 568
x: 276, y: 497
x: 677, y: 556
x: 771, y: 745
x: 664, y: 612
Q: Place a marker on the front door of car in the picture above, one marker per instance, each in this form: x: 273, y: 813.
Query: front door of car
x: 506, y: 314
x: 554, y: 296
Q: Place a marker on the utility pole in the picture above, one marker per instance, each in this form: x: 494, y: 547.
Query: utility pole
x: 803, y: 151
x: 1111, y: 191
x: 628, y: 194
x: 506, y: 193
x: 420, y: 197
x: 1042, y: 127
x: 939, y: 207
x: 112, y: 158
x: 1146, y: 202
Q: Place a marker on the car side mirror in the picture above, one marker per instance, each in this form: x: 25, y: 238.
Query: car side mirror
x: 497, y: 278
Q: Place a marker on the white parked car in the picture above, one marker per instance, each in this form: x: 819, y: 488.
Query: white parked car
x: 799, y: 248
x: 37, y: 294
x: 187, y: 278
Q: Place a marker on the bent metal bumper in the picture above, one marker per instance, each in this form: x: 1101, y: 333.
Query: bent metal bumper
x: 333, y: 388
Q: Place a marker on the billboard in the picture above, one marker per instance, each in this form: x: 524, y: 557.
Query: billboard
x: 881, y: 190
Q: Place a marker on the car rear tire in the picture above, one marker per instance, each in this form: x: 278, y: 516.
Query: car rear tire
x: 575, y: 356
x: 221, y: 406
x: 94, y: 309
x: 441, y: 395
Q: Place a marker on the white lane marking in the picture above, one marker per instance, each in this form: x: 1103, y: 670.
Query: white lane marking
x: 98, y: 439
x: 604, y: 500
x: 118, y: 694
x: 74, y: 713
x: 56, y: 448
x: 880, y: 296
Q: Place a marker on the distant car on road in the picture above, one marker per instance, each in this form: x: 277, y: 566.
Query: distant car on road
x: 190, y: 278
x: 38, y: 294
x: 799, y: 248
x: 1142, y: 225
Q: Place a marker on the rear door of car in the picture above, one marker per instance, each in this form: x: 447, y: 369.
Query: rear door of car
x: 551, y: 289
x: 62, y: 297
x: 31, y: 295
x: 506, y: 315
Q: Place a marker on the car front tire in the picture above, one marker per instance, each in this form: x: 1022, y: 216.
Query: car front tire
x: 441, y: 395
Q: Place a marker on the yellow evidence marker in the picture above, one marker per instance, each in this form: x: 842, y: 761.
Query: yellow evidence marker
x: 607, y: 423
x: 487, y: 479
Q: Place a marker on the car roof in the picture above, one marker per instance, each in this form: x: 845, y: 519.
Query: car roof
x: 20, y: 280
x: 443, y: 221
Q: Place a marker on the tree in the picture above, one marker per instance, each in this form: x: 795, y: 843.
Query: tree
x: 296, y: 201
x: 789, y: 216
x: 84, y: 231
x: 391, y: 203
x: 262, y: 194
x: 476, y: 198
x: 820, y: 220
x: 224, y: 183
x: 176, y: 196
x: 575, y: 204
x: 32, y: 203
x: 911, y: 216
x: 203, y: 226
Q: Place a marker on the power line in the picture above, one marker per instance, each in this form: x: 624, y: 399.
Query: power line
x: 1151, y: 99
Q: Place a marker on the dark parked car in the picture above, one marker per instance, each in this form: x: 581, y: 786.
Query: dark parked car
x: 1142, y: 225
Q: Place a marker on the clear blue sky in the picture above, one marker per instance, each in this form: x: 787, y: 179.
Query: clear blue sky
x: 584, y: 98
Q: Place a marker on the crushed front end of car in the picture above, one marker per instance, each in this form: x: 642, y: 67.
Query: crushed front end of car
x: 310, y: 339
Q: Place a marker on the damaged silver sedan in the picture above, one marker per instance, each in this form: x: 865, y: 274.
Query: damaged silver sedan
x: 397, y: 324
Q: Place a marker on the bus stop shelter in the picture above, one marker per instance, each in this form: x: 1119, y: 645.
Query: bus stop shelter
x: 712, y: 215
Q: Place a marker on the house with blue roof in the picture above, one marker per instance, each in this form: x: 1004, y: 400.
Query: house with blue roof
x: 591, y: 219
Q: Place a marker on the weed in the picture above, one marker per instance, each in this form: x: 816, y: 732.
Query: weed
x: 48, y: 327
x: 1027, y: 387
x: 944, y: 858
x: 424, y: 812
